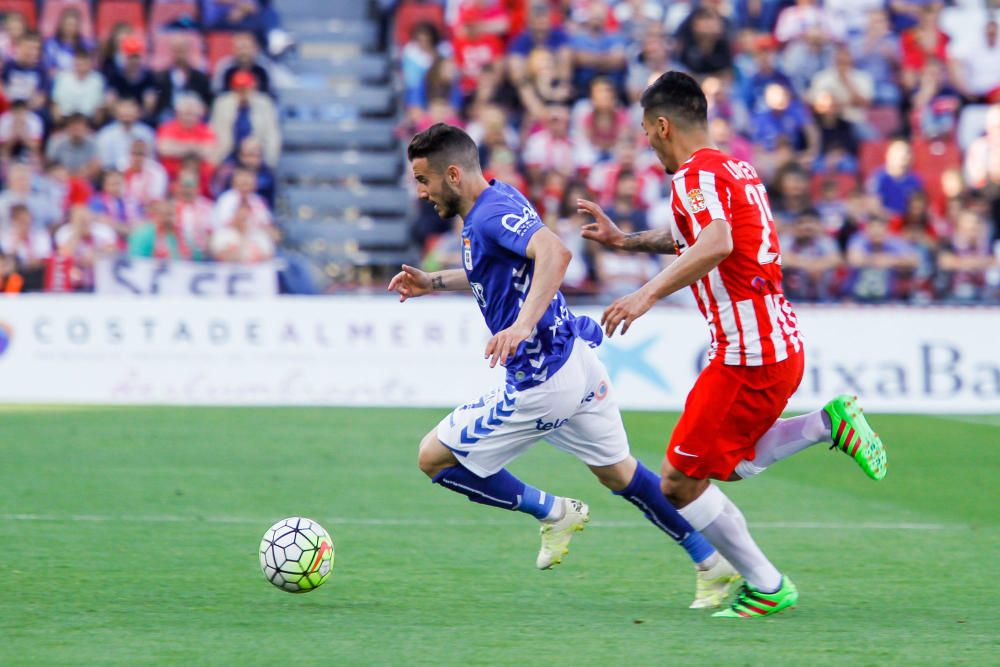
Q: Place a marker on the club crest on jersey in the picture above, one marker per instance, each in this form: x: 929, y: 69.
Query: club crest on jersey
x: 518, y: 223
x: 697, y: 200
x: 467, y: 253
x: 479, y: 292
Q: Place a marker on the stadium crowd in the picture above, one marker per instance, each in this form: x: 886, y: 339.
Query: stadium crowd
x: 146, y: 128
x: 875, y: 123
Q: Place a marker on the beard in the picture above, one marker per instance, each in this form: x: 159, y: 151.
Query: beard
x: 448, y: 208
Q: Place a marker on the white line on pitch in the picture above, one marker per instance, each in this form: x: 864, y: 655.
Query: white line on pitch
x: 363, y: 521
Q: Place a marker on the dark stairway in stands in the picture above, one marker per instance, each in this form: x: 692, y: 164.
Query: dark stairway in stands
x: 340, y: 199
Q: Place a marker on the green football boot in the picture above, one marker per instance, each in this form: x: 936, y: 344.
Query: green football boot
x: 751, y: 603
x: 852, y: 435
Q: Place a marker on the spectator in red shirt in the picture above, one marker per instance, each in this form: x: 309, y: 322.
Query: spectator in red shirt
x: 185, y: 135
x: 85, y: 240
x: 924, y: 40
x: 479, y: 33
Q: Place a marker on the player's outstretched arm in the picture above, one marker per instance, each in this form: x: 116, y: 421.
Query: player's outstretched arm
x: 411, y: 282
x: 714, y: 244
x: 551, y: 259
x: 608, y: 234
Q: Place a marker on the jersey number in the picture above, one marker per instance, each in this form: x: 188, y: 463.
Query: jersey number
x: 757, y: 195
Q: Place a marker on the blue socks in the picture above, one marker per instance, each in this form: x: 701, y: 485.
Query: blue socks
x: 644, y: 492
x: 501, y: 489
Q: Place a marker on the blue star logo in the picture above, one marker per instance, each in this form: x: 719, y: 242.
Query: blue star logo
x: 633, y: 359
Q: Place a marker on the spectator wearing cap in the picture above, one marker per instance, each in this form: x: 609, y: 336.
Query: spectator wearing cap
x: 764, y: 72
x: 61, y: 48
x: 25, y: 77
x: 246, y: 57
x: 180, y: 77
x: 249, y: 155
x: 145, y: 178
x: 21, y: 132
x: 75, y: 148
x: 895, y: 181
x: 79, y: 89
x: 160, y: 238
x: 134, y: 80
x: 187, y: 134
x: 115, y: 140
x: 245, y: 112
x: 597, y: 50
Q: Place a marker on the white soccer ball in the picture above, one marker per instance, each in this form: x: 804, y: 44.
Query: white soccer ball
x: 296, y: 555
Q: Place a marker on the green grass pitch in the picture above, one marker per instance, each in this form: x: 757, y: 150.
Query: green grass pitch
x: 129, y: 537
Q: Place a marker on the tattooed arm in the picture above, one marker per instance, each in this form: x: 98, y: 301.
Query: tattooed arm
x: 607, y: 233
x: 412, y: 282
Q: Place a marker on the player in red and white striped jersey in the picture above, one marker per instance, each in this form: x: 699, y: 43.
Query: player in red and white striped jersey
x: 727, y: 246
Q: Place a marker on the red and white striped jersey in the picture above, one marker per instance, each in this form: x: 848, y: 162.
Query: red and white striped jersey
x: 750, y: 321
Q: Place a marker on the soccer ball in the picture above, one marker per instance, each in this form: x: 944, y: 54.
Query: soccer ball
x: 296, y: 555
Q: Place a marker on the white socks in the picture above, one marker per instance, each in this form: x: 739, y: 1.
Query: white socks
x: 786, y: 437
x: 719, y: 520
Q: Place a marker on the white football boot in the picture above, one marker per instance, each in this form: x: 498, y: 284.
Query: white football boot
x: 714, y: 584
x: 557, y: 534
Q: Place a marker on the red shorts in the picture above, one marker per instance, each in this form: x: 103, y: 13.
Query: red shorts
x: 726, y: 413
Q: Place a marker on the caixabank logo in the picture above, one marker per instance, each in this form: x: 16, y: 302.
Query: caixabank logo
x: 6, y: 336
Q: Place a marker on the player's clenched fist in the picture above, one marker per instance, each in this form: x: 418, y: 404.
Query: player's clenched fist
x: 410, y: 282
x: 504, y: 344
x: 626, y: 310
x: 602, y: 230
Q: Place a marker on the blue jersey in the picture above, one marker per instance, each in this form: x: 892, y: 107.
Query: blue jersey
x: 494, y: 241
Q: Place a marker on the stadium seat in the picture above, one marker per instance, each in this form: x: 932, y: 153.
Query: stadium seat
x: 25, y: 8
x: 325, y: 135
x: 53, y: 9
x: 327, y: 167
x: 360, y: 34
x: 112, y: 12
x: 412, y: 12
x: 871, y: 157
x: 220, y: 45
x: 333, y: 202
x: 162, y: 45
x: 354, y: 11
x: 310, y: 103
x: 366, y: 233
x: 366, y: 68
x: 162, y: 14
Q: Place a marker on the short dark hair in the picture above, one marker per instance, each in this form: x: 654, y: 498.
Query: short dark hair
x: 678, y: 97
x: 444, y: 144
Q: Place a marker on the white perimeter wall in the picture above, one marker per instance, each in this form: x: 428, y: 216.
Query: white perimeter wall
x: 429, y: 352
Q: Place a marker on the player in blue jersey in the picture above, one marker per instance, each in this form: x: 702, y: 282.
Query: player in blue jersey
x: 556, y: 387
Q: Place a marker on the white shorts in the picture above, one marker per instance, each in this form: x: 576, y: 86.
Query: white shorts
x: 575, y: 410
